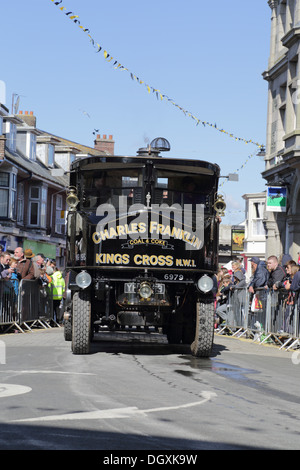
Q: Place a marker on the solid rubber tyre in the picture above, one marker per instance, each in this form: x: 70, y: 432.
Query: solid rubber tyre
x: 68, y: 330
x: 81, y: 322
x: 204, y: 331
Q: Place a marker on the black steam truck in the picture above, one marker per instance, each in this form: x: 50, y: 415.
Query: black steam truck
x: 142, y: 247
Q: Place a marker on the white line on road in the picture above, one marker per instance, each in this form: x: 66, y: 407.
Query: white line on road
x: 46, y: 372
x: 9, y: 390
x: 117, y: 412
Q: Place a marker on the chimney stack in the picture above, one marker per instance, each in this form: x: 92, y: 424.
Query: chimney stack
x: 104, y: 144
x: 28, y: 117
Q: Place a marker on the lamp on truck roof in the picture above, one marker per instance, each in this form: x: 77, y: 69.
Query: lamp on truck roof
x: 161, y: 144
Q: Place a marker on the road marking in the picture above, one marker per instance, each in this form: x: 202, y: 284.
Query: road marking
x: 117, y: 412
x: 9, y: 390
x: 2, y: 352
x: 46, y: 372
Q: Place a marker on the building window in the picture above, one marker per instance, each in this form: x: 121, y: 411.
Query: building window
x: 257, y: 219
x: 20, y: 204
x: 38, y: 206
x: 290, y: 17
x: 44, y: 207
x: 10, y: 130
x: 8, y: 195
x: 21, y: 142
x: 13, y: 137
x: 59, y: 221
x: 33, y: 213
x: 32, y: 147
x: 26, y: 143
x: 282, y: 17
x: 50, y: 155
x: 4, y: 194
x: 34, y: 205
x: 13, y: 196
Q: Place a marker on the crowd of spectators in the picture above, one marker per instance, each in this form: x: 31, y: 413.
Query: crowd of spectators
x: 273, y: 273
x: 25, y: 265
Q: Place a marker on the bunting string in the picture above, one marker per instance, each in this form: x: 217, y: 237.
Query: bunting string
x: 159, y: 95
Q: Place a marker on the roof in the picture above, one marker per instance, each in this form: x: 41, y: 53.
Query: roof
x: 37, y: 168
x: 85, y: 149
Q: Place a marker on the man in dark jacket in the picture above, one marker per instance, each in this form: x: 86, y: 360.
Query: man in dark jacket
x: 4, y: 262
x: 260, y: 274
x: 277, y: 272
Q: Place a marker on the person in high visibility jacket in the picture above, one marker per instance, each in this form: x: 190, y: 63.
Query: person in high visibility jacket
x: 58, y: 288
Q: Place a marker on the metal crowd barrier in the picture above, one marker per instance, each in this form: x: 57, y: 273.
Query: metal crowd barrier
x: 275, y: 319
x: 24, y: 305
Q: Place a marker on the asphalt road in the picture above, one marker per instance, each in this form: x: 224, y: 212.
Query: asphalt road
x: 133, y: 394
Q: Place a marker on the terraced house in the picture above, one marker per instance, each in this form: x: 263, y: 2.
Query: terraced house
x: 34, y: 167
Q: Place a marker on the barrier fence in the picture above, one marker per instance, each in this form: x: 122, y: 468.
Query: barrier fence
x: 267, y: 316
x: 25, y: 304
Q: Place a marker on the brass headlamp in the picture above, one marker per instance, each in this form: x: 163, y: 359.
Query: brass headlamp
x: 72, y: 199
x: 220, y: 206
x: 145, y: 290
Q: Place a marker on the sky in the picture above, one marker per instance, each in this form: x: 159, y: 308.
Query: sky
x: 206, y: 57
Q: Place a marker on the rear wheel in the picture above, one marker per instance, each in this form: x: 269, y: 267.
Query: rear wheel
x: 81, y: 322
x: 68, y: 330
x: 204, y: 330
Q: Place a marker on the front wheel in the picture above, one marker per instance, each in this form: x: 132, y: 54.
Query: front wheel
x: 204, y: 329
x: 81, y: 322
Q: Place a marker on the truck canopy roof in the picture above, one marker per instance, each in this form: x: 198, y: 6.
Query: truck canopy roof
x: 163, y: 163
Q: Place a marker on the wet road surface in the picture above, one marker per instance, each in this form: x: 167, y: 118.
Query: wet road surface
x: 137, y: 393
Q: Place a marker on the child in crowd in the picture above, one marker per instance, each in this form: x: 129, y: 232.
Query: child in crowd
x: 292, y: 284
x: 14, y: 277
x: 222, y: 297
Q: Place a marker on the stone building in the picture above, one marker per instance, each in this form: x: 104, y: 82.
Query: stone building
x: 282, y: 159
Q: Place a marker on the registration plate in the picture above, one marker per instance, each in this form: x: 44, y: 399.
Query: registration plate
x: 130, y: 288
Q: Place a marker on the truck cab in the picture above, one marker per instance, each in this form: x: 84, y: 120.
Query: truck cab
x: 142, y: 248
